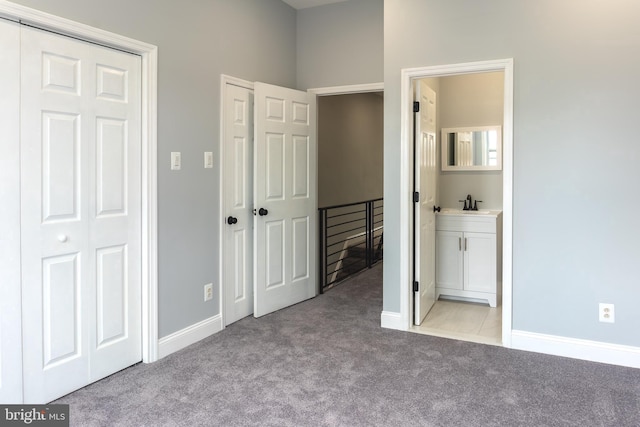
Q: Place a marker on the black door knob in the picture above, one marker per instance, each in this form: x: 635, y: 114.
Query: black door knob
x: 232, y: 220
x: 263, y: 212
x: 436, y: 209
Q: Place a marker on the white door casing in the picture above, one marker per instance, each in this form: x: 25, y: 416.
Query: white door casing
x: 426, y: 175
x: 10, y: 307
x: 285, y: 198
x: 237, y: 176
x: 81, y: 213
x: 403, y: 320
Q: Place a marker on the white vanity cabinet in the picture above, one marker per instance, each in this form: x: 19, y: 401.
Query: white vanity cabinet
x: 468, y: 255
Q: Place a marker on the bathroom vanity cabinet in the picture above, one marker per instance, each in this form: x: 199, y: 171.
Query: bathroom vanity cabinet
x: 468, y: 255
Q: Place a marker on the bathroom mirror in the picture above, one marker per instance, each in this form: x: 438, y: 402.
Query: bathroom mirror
x: 472, y: 148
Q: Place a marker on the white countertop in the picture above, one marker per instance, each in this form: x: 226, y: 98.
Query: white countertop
x: 460, y: 212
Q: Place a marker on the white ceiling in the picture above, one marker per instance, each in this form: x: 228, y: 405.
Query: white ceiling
x: 304, y: 4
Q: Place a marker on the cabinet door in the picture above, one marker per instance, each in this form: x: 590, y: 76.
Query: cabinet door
x: 480, y: 262
x: 449, y: 259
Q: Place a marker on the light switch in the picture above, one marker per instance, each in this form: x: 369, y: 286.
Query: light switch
x: 176, y: 161
x: 208, y: 160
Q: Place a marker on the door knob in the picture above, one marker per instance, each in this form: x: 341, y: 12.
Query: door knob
x: 62, y: 238
x: 232, y: 220
x: 436, y: 209
x: 263, y: 212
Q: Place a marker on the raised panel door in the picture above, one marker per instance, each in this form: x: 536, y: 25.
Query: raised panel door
x: 237, y: 167
x: 284, y: 197
x: 425, y: 224
x: 81, y: 217
x: 10, y: 307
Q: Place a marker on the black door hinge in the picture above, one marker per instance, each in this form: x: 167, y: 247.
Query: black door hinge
x: 416, y: 286
x: 416, y: 106
x: 416, y: 197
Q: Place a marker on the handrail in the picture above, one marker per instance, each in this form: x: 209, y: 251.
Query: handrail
x: 351, y: 204
x: 351, y: 236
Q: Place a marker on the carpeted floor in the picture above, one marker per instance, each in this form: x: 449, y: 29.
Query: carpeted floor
x: 327, y: 362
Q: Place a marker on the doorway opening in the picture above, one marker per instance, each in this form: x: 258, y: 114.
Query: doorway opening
x: 229, y: 295
x: 350, y: 202
x: 350, y: 185
x: 499, y: 193
x: 268, y: 187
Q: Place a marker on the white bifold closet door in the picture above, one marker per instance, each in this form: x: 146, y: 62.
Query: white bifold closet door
x: 10, y: 339
x: 81, y: 214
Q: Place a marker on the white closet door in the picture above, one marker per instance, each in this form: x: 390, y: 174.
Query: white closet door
x: 80, y: 166
x: 10, y: 347
x: 237, y: 166
x: 285, y: 198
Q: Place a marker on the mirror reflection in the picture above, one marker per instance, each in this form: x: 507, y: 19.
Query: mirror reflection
x: 472, y: 148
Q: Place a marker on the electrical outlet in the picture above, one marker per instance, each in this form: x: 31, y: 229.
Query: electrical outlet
x: 607, y: 313
x: 208, y: 292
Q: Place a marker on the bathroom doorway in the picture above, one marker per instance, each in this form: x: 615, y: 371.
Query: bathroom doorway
x: 467, y: 95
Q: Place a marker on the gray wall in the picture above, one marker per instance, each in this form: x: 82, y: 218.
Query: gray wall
x: 340, y: 44
x: 350, y: 138
x: 197, y: 41
x: 471, y: 100
x: 576, y: 149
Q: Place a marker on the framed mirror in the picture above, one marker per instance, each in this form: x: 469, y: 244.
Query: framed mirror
x: 472, y: 148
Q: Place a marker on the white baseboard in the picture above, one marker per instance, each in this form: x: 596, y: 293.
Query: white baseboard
x: 189, y: 335
x: 392, y: 320
x: 594, y: 351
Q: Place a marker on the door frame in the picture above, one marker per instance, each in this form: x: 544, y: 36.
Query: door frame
x: 149, y: 190
x: 224, y: 81
x: 407, y: 76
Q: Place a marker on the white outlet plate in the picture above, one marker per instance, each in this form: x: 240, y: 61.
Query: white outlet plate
x: 606, y: 313
x: 208, y: 292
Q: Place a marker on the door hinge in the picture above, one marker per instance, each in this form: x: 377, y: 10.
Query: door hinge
x: 416, y: 197
x: 416, y: 106
x: 416, y: 286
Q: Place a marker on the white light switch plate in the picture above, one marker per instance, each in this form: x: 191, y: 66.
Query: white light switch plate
x: 208, y: 159
x: 176, y: 161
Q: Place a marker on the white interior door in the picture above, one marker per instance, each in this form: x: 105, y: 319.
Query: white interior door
x: 285, y: 198
x: 237, y: 165
x: 80, y: 186
x: 426, y: 174
x: 10, y: 317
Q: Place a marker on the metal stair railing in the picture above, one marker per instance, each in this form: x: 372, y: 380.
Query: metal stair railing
x: 351, y: 239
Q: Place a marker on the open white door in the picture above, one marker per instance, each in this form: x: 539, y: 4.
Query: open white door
x: 425, y: 224
x: 285, y: 202
x: 237, y: 166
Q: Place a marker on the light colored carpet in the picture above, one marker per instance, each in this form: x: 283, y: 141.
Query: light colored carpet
x: 327, y: 362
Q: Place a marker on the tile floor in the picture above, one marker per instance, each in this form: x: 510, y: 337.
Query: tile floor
x: 464, y: 321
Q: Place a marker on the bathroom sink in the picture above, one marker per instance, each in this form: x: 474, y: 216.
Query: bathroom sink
x: 449, y: 211
x: 478, y: 212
